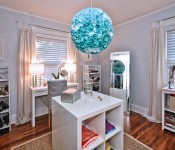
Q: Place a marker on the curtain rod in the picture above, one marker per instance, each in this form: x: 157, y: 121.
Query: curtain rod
x: 169, y: 18
x: 166, y: 19
x: 44, y: 27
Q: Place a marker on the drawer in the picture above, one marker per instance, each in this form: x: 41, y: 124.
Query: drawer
x: 41, y: 93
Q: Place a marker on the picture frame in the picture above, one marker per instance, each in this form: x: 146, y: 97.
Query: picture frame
x: 1, y: 49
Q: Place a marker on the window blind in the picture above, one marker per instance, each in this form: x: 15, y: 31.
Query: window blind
x: 170, y: 50
x: 51, y: 52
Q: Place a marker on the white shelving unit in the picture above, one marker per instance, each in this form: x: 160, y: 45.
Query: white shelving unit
x: 67, y: 121
x: 94, y: 72
x: 5, y: 98
x: 167, y: 113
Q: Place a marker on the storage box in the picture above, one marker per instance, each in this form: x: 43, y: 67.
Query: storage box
x: 172, y: 103
x: 70, y: 95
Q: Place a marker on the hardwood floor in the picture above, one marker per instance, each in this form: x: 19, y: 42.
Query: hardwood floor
x: 23, y: 133
x: 137, y: 126
x: 149, y: 133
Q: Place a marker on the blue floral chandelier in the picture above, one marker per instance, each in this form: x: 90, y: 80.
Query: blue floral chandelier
x: 118, y: 67
x: 91, y: 30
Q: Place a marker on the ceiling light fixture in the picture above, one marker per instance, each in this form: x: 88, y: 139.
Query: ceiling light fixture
x: 91, y: 30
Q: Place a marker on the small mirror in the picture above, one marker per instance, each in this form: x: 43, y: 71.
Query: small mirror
x: 120, y: 78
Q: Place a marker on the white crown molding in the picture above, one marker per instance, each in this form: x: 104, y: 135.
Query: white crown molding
x: 32, y: 15
x: 126, y: 22
x: 148, y: 14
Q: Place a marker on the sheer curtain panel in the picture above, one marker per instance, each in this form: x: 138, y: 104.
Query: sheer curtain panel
x: 26, y: 55
x: 73, y: 57
x: 157, y: 69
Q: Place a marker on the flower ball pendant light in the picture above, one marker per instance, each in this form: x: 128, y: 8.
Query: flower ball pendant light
x: 118, y: 67
x: 91, y: 30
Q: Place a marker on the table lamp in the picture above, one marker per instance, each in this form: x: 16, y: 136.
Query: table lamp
x: 35, y: 70
x: 71, y: 68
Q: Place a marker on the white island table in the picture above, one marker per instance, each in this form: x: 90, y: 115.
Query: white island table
x: 67, y: 121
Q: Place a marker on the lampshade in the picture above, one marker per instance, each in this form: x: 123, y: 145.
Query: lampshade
x: 91, y: 30
x: 36, y: 69
x: 70, y: 67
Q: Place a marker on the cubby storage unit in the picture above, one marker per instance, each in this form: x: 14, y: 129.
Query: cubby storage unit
x: 68, y: 119
x: 94, y: 72
x: 4, y: 101
x: 168, y: 111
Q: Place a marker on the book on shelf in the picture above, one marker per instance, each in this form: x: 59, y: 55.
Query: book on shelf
x: 170, y: 119
x: 170, y: 125
x: 172, y: 102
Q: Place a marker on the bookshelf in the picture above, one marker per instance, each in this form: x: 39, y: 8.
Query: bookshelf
x: 4, y: 100
x: 168, y: 112
x: 94, y: 73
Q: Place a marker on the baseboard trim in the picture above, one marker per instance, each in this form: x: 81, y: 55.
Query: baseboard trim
x: 138, y: 109
x: 13, y: 119
x: 39, y: 112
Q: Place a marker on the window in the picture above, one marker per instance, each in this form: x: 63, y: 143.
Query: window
x: 170, y: 44
x: 51, y: 51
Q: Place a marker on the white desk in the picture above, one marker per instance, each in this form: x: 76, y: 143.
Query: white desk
x: 67, y: 121
x: 41, y: 91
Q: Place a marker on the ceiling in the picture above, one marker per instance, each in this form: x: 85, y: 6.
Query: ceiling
x: 63, y: 11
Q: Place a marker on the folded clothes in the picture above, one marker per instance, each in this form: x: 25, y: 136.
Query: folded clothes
x: 88, y: 136
x: 110, y: 131
x: 109, y: 127
x: 108, y: 146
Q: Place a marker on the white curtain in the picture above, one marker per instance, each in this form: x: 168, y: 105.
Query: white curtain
x: 157, y: 70
x: 73, y: 57
x: 26, y: 53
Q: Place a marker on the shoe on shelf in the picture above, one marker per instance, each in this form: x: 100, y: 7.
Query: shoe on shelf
x: 95, y: 88
x: 5, y: 106
x: 1, y: 123
x: 1, y: 106
x: 97, y: 79
x: 6, y: 119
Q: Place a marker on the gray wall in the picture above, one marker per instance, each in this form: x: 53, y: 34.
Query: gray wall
x: 9, y: 32
x: 134, y: 36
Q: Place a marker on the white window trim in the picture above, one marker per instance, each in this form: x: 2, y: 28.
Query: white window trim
x: 55, y: 35
x: 42, y: 35
x: 52, y: 32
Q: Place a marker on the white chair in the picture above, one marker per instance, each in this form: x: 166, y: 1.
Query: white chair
x: 55, y: 87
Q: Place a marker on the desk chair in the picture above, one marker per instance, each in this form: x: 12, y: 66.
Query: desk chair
x: 55, y: 87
